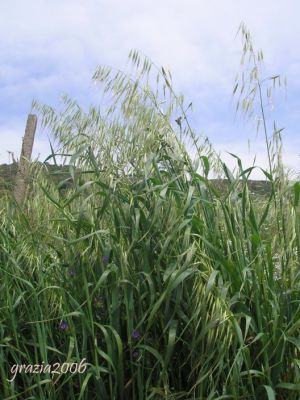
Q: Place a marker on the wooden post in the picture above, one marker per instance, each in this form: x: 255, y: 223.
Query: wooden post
x: 27, y: 145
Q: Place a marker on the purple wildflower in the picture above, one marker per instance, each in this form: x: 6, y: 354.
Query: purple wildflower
x: 63, y: 326
x: 105, y: 259
x: 135, y: 334
x: 135, y: 354
x: 71, y: 272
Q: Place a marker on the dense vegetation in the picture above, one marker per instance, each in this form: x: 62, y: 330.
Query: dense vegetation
x: 57, y: 173
x: 61, y: 176
x: 169, y: 287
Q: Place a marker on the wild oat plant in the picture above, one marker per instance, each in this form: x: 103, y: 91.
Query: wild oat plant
x: 166, y: 284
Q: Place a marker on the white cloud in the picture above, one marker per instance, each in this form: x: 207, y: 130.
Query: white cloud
x: 52, y: 47
x: 256, y: 154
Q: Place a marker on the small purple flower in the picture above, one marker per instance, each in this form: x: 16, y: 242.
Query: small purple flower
x: 105, y: 259
x: 135, y: 354
x: 63, y: 326
x: 135, y: 334
x: 71, y: 271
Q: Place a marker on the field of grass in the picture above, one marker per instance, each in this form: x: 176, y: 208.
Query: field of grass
x: 160, y: 282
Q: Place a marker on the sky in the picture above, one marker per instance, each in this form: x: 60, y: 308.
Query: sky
x: 50, y: 48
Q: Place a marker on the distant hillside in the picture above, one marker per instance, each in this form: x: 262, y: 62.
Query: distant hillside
x: 8, y: 174
x: 258, y: 187
x: 60, y: 173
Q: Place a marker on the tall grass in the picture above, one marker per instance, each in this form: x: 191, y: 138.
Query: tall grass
x: 170, y: 287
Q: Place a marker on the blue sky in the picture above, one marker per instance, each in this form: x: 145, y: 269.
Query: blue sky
x: 49, y: 48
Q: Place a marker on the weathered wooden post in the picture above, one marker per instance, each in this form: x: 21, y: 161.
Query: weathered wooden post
x: 27, y: 145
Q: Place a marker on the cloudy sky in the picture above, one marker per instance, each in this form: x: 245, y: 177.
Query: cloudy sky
x: 49, y: 48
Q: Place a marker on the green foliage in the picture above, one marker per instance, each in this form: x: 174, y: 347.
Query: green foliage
x: 169, y: 284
